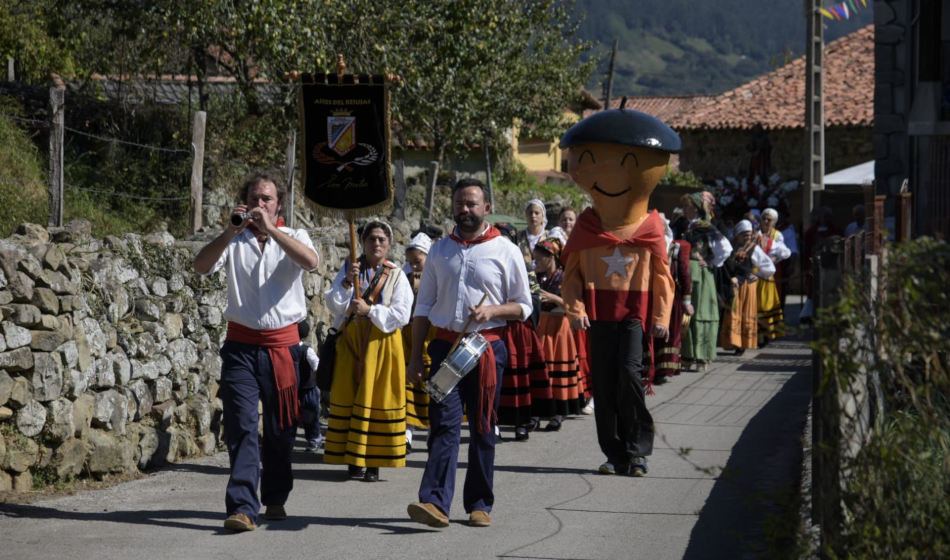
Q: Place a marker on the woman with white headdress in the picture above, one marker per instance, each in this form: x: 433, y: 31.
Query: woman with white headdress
x: 417, y: 400
x: 371, y: 300
x: 536, y: 230
x: 772, y: 242
x: 746, y: 265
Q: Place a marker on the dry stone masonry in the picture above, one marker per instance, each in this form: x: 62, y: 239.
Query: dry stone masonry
x: 109, y: 350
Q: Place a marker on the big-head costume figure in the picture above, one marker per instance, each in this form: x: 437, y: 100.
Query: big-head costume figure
x: 617, y: 279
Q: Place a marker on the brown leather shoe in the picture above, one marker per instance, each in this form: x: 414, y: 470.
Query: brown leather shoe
x: 239, y: 523
x: 275, y: 513
x: 479, y: 518
x: 427, y: 514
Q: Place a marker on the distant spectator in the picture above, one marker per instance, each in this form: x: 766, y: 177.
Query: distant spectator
x: 566, y: 219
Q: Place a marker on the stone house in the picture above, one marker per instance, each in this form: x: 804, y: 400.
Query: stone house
x: 720, y: 131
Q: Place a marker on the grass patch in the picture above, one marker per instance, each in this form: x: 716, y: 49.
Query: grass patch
x: 23, y: 185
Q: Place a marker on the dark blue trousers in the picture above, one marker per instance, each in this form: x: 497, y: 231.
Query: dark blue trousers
x: 624, y: 425
x: 246, y: 378
x: 445, y: 432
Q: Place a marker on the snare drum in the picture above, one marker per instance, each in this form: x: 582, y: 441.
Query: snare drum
x: 455, y: 366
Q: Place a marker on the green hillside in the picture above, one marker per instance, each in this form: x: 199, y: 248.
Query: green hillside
x: 677, y: 47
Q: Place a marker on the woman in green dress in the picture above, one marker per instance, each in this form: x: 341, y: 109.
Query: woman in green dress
x: 709, y: 249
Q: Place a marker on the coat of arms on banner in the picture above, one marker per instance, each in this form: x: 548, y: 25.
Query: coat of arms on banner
x: 345, y: 166
x: 341, y: 132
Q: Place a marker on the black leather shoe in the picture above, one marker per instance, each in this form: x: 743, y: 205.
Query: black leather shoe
x: 521, y: 433
x: 372, y: 474
x: 356, y: 472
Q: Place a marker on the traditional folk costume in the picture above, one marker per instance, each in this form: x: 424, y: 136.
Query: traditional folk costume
x: 747, y: 263
x: 771, y: 319
x: 417, y: 400
x: 525, y: 240
x: 457, y: 275
x: 367, y: 421
x: 708, y: 251
x: 623, y: 286
x: 525, y: 386
x: 667, y: 353
x: 526, y: 395
x: 257, y: 366
x: 557, y: 342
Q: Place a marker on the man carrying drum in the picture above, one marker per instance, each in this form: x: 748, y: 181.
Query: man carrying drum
x: 474, y: 262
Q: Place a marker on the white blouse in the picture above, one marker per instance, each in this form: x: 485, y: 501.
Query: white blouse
x: 779, y: 250
x: 765, y: 268
x: 386, y: 318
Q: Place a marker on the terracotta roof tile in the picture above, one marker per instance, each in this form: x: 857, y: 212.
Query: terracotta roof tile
x: 776, y: 99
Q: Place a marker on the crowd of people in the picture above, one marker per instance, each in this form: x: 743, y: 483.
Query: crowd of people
x: 398, y: 324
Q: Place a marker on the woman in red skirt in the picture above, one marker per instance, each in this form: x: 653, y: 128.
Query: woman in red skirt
x: 557, y: 339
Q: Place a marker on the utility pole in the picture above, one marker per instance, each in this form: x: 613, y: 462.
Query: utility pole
x: 57, y: 100
x: 814, y: 109
x: 290, y: 165
x: 609, y: 90
x: 197, y: 168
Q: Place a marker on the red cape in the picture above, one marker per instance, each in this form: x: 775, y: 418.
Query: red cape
x: 589, y: 232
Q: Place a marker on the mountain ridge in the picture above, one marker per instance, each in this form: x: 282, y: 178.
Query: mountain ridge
x: 685, y: 47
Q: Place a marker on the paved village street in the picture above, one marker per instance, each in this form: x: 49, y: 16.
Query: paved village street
x: 727, y: 452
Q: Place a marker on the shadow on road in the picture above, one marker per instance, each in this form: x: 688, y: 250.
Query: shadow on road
x: 206, y: 521
x: 748, y: 511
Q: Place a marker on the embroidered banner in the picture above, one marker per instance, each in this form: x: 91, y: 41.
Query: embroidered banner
x: 345, y: 142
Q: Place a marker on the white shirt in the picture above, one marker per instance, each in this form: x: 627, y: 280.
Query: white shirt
x: 456, y: 276
x: 765, y: 266
x: 533, y: 238
x: 385, y: 318
x: 312, y: 357
x: 265, y: 290
x: 721, y: 249
x: 779, y: 250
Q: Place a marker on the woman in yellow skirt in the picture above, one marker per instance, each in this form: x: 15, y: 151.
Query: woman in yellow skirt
x: 772, y: 242
x: 747, y: 263
x: 366, y: 428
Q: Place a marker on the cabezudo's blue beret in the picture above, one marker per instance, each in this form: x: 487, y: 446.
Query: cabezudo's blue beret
x: 623, y: 126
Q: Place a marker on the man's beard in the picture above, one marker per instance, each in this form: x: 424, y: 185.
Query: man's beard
x: 469, y: 224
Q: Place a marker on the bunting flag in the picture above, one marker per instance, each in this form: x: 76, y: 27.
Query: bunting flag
x: 346, y: 142
x: 843, y: 10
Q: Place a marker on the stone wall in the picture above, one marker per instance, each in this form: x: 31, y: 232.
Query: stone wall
x: 716, y: 154
x: 109, y: 350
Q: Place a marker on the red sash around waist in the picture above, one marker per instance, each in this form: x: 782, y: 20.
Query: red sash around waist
x: 278, y: 343
x: 487, y: 375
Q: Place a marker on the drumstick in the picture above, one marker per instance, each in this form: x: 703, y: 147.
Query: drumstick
x: 465, y: 328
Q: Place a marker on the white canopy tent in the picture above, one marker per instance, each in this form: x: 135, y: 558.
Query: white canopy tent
x: 862, y: 174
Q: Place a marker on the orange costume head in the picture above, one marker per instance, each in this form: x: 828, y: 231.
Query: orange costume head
x: 618, y: 156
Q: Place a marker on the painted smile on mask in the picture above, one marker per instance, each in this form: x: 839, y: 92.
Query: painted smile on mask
x: 605, y: 193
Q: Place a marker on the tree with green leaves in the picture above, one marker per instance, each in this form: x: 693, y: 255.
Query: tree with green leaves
x: 473, y: 69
